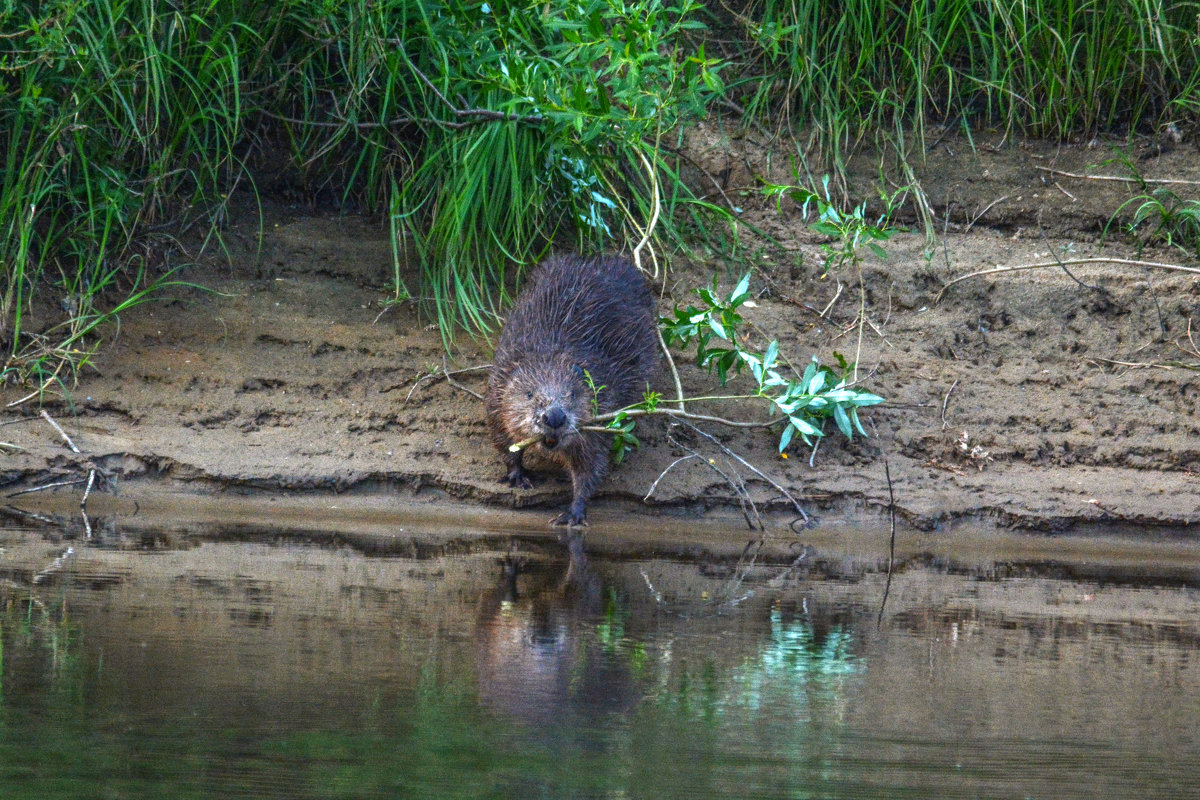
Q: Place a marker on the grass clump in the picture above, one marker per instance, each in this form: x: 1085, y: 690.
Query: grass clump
x: 870, y: 69
x: 494, y: 129
x: 114, y: 117
x: 485, y: 130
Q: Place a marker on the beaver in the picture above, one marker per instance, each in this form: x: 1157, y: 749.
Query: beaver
x: 577, y: 318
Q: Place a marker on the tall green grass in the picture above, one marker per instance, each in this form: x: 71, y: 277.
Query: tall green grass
x: 866, y: 70
x: 486, y: 130
x: 493, y: 129
x: 115, y: 118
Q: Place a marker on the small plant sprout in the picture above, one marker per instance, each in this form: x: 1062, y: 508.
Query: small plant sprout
x: 848, y: 230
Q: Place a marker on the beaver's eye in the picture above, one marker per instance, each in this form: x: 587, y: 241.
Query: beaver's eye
x: 529, y: 395
x: 572, y: 394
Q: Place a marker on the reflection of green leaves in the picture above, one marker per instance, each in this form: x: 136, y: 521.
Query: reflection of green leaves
x: 795, y: 662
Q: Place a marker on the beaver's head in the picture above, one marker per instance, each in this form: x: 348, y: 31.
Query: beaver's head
x: 550, y: 398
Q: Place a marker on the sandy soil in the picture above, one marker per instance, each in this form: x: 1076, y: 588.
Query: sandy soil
x: 286, y: 377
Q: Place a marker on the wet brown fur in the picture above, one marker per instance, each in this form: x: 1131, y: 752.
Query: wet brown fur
x: 575, y: 314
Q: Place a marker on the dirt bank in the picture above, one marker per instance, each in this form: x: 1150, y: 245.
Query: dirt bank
x: 287, y: 377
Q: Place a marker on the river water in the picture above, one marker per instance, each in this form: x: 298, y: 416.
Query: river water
x: 255, y: 661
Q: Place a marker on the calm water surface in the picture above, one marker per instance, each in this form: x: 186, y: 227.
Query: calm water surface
x: 200, y: 665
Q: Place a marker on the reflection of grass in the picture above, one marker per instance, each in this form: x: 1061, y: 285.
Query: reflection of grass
x: 610, y: 633
x: 796, y: 663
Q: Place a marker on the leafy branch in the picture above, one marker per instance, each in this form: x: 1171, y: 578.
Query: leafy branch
x: 804, y: 403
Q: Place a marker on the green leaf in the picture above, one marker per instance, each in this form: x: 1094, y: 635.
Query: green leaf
x: 804, y: 426
x: 717, y: 327
x: 741, y: 293
x: 843, y: 421
x: 769, y: 357
x: 786, y: 437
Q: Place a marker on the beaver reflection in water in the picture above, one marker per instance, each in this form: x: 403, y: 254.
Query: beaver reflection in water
x: 577, y: 318
x: 537, y: 658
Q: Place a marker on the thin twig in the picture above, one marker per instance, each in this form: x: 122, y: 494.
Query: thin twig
x: 12, y: 448
x: 836, y: 295
x: 674, y: 371
x: 663, y: 474
x: 83, y: 503
x: 443, y: 374
x: 1050, y: 247
x: 1058, y: 186
x: 450, y: 380
x: 1020, y: 267
x: 61, y: 433
x: 945, y: 402
x: 751, y: 467
x: 987, y: 208
x: 1119, y: 178
x: 75, y: 482
x: 671, y: 412
x: 887, y: 587
x: 29, y: 396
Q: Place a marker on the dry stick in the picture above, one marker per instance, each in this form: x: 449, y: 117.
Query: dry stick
x: 674, y: 372
x: 1119, y: 178
x: 749, y: 466
x: 834, y: 300
x: 12, y: 448
x: 90, y: 481
x: 945, y: 402
x: 29, y: 396
x: 663, y: 474
x: 1126, y: 261
x: 456, y: 384
x: 91, y: 473
x: 1050, y: 248
x: 739, y: 486
x: 61, y: 433
x: 641, y: 412
x: 55, y: 485
x: 986, y: 209
x: 444, y: 374
x: 887, y: 587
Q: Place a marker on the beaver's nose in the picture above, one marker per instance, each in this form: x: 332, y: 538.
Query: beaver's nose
x: 554, y: 417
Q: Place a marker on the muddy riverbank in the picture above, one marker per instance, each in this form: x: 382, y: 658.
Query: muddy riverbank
x: 286, y: 377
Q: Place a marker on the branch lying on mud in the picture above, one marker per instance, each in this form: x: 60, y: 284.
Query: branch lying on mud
x: 1118, y: 178
x: 442, y: 373
x: 1046, y: 265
